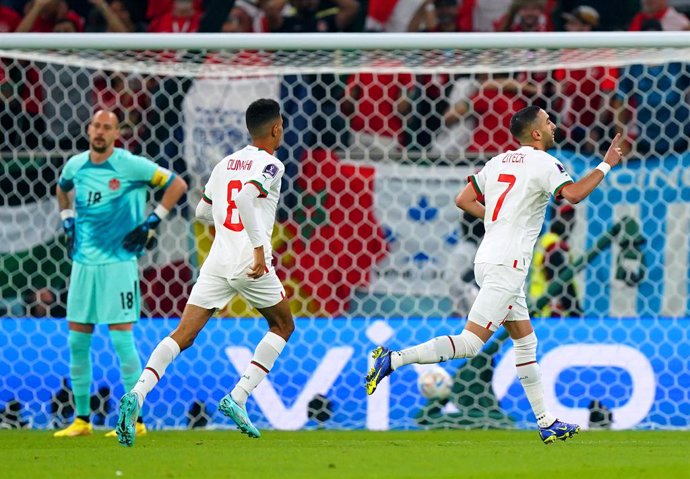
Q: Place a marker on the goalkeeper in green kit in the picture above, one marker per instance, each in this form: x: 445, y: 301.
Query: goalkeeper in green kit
x: 102, y: 197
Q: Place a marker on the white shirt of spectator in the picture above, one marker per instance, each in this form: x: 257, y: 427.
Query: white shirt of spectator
x: 673, y: 20
x: 454, y: 139
x: 516, y: 186
x: 250, y: 167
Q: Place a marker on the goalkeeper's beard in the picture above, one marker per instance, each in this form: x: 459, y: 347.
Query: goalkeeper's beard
x: 99, y: 149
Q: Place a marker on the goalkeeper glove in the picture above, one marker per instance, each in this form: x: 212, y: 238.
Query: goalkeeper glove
x: 69, y: 226
x: 143, y: 235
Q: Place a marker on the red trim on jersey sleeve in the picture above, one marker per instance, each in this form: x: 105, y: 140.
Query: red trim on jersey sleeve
x: 558, y: 189
x: 262, y: 192
x: 207, y: 199
x: 473, y: 181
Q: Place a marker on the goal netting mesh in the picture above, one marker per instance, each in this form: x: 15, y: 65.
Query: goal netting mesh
x: 368, y: 241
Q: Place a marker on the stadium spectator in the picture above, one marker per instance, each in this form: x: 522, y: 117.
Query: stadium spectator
x: 183, y: 18
x: 422, y: 105
x: 551, y: 257
x: 396, y: 15
x: 113, y: 17
x: 373, y: 102
x: 670, y: 18
x: 165, y: 119
x: 245, y: 17
x: 158, y: 8
x: 651, y: 105
x: 455, y: 132
x: 613, y: 15
x: 125, y: 95
x: 42, y: 15
x: 527, y: 16
x: 422, y: 110
x: 446, y: 17
x: 481, y: 15
x: 581, y: 95
x: 67, y: 101
x: 491, y: 108
x: 65, y: 25
x: 309, y: 102
x: 424, y: 19
x: 310, y: 16
x: 582, y: 19
x: 9, y: 19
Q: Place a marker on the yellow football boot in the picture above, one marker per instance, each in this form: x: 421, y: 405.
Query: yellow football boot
x: 78, y: 428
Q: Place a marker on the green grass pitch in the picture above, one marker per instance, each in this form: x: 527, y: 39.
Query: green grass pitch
x: 347, y: 454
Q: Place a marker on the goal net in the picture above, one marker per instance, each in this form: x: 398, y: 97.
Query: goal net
x: 379, y: 139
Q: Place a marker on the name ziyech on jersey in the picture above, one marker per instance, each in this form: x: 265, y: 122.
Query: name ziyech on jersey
x: 514, y: 158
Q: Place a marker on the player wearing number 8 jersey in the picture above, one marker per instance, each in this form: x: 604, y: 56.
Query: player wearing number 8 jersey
x: 510, y: 194
x: 240, y: 199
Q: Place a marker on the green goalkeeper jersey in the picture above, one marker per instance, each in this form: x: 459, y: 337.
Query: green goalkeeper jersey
x: 110, y: 201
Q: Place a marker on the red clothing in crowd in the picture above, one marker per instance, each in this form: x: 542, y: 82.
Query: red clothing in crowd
x: 9, y: 19
x: 493, y: 111
x: 158, y: 8
x: 582, y: 94
x: 376, y: 95
x: 170, y: 24
x: 41, y: 25
x: 545, y: 23
x: 670, y: 19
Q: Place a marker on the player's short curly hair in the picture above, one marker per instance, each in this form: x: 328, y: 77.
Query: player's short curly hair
x: 261, y: 113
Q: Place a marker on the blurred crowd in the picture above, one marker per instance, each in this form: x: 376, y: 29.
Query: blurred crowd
x: 381, y: 113
x: 372, y: 114
x: 188, y: 16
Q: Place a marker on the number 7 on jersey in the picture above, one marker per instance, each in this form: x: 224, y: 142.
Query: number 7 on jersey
x: 503, y: 178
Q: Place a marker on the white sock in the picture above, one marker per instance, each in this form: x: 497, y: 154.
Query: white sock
x: 164, y: 354
x: 265, y: 355
x: 529, y: 373
x: 442, y: 348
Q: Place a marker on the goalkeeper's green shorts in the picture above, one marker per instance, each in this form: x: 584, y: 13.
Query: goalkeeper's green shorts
x: 104, y: 293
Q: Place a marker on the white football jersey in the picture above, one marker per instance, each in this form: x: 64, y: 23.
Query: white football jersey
x: 250, y: 167
x: 516, y: 186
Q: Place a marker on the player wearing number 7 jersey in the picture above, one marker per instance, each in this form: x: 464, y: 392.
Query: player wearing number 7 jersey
x: 240, y: 199
x: 510, y: 194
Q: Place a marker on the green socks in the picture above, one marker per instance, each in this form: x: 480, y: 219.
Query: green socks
x: 130, y: 364
x: 80, y: 370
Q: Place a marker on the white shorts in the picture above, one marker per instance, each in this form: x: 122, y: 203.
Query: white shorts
x: 501, y: 296
x: 212, y: 291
